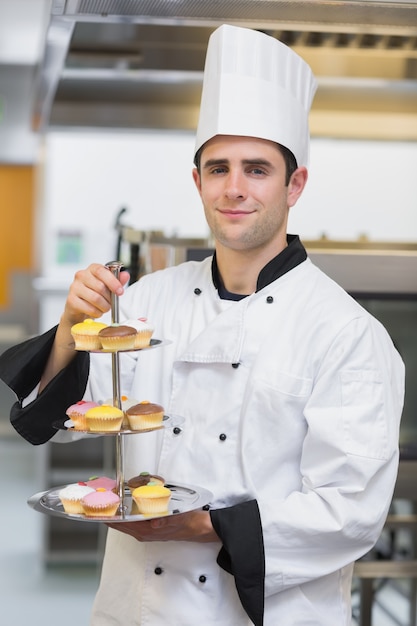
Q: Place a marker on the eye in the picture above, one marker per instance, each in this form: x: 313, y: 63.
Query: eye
x: 219, y: 169
x: 257, y: 171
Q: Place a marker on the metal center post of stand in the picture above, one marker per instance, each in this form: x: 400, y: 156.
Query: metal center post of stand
x: 115, y: 267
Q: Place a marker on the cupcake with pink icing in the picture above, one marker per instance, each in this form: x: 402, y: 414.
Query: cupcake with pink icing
x: 76, y: 412
x: 100, y: 503
x: 101, y: 482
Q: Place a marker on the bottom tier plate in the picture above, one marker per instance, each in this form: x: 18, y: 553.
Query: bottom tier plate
x: 184, y: 498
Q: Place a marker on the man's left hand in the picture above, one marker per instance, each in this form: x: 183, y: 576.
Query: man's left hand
x: 191, y: 526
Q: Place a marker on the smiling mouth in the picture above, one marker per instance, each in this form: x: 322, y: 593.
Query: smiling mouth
x: 235, y: 212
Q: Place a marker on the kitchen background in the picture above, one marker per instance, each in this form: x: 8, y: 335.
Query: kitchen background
x: 97, y: 119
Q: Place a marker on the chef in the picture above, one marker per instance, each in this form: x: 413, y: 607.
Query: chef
x: 288, y: 394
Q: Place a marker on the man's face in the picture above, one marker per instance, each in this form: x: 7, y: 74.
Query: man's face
x: 242, y: 187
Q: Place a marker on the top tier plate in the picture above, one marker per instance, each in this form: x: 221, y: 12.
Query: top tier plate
x: 154, y: 343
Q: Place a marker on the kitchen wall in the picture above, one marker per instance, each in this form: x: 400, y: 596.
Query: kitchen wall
x: 89, y: 176
x: 355, y: 188
x: 359, y: 188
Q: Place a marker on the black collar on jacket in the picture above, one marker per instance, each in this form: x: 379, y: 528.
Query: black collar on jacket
x: 290, y: 257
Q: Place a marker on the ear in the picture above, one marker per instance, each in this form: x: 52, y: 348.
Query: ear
x: 197, y: 179
x: 296, y: 185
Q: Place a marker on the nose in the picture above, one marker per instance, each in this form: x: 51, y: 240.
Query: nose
x: 235, y: 188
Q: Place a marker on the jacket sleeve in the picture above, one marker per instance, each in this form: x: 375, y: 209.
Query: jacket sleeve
x: 242, y: 555
x: 21, y: 369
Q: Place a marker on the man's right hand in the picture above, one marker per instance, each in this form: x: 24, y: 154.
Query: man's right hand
x: 90, y: 293
x: 89, y: 297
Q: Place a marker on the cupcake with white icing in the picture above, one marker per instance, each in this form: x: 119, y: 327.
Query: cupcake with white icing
x: 144, y: 332
x: 71, y: 497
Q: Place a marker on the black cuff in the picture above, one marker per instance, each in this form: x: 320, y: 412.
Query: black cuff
x: 21, y: 368
x: 242, y: 555
x: 21, y: 365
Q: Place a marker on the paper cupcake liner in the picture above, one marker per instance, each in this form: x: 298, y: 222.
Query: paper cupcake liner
x: 141, y: 422
x: 118, y: 343
x: 152, y: 506
x: 73, y: 507
x: 79, y: 421
x: 109, y: 424
x: 143, y: 339
x: 87, y: 342
x: 101, y: 511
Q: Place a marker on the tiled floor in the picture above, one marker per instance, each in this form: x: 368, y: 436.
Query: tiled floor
x: 30, y: 593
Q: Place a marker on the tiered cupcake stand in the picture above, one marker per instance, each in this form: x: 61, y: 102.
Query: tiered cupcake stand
x: 184, y: 498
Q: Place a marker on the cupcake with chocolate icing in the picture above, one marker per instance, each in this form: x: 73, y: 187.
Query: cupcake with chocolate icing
x: 117, y: 337
x: 145, y: 415
x: 144, y: 478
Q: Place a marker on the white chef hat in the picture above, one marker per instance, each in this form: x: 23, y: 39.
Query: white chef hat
x: 255, y: 86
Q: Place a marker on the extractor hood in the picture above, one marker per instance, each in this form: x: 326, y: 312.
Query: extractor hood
x: 139, y: 63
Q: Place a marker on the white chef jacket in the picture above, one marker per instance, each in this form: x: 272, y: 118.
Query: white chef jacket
x: 291, y: 397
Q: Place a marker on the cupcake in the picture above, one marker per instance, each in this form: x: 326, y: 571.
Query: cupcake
x: 143, y: 479
x: 100, y: 503
x: 144, y: 332
x: 101, y: 482
x: 126, y: 403
x: 76, y: 412
x: 117, y: 337
x: 104, y: 418
x: 152, y: 499
x: 71, y: 497
x: 85, y: 334
x: 145, y: 415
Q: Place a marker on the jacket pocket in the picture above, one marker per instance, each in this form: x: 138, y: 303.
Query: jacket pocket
x: 274, y: 414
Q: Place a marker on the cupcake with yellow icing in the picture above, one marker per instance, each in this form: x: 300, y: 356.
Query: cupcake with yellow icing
x: 126, y: 403
x: 104, y: 418
x: 85, y: 334
x: 152, y: 499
